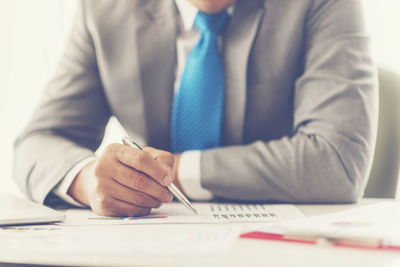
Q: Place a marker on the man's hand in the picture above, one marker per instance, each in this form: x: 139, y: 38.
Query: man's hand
x: 125, y: 181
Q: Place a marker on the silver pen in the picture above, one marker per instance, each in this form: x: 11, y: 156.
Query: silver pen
x: 172, y: 188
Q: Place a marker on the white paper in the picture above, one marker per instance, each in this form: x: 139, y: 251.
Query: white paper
x: 118, y: 240
x: 379, y: 221
x: 176, y: 213
x: 173, y: 230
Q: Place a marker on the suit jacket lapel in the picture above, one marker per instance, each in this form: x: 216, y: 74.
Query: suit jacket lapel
x: 238, y: 41
x: 157, y: 58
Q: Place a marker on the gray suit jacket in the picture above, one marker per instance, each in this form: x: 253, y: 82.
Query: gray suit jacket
x: 300, y: 110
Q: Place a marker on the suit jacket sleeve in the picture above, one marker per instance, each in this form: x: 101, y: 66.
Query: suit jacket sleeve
x: 329, y: 156
x: 69, y: 123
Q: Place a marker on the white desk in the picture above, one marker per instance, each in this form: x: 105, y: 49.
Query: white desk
x: 245, y: 253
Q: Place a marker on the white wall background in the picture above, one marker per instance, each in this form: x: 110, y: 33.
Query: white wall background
x: 383, y: 21
x: 32, y: 37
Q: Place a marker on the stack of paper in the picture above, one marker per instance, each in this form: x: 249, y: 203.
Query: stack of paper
x: 375, y: 225
x: 173, y: 231
x: 209, y: 213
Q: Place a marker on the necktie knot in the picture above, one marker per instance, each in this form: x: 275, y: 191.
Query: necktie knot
x: 214, y: 23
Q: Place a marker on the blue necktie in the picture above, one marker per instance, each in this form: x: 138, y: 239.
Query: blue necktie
x: 198, y: 105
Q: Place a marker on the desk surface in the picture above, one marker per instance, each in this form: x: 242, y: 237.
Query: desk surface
x: 247, y: 252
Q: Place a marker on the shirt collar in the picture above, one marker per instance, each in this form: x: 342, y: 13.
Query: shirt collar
x: 188, y: 13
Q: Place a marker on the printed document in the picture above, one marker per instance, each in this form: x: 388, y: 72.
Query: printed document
x: 176, y: 213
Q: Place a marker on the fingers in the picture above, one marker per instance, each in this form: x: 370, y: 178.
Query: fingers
x: 142, y: 161
x: 141, y: 182
x: 130, y: 210
x: 128, y: 181
x: 132, y: 196
x: 107, y: 190
x: 165, y: 158
x: 116, y: 207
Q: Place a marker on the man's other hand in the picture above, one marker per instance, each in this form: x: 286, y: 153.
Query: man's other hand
x: 124, y: 181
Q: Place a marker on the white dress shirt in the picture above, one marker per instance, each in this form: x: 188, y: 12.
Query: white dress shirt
x: 189, y: 166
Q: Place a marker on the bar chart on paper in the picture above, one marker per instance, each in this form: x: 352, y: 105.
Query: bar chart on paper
x: 230, y: 213
x: 175, y: 213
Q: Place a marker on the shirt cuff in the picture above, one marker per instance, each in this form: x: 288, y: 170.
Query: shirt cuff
x: 61, y: 190
x: 190, y: 176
